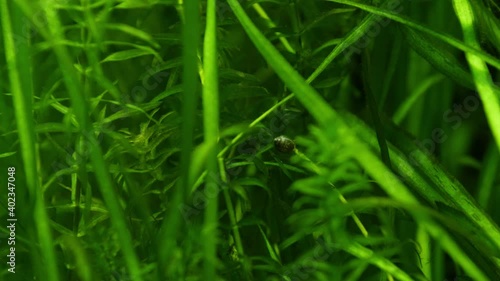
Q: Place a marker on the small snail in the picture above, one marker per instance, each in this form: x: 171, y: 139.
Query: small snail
x: 284, y: 144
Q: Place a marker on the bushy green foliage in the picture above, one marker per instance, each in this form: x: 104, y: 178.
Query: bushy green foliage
x: 142, y: 134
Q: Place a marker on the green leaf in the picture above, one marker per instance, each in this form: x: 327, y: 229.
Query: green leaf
x: 134, y: 32
x: 129, y: 54
x: 7, y: 154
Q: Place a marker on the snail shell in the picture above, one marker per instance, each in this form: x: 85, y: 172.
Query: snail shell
x: 284, y: 144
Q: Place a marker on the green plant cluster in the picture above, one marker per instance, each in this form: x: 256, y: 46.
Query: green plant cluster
x: 138, y: 140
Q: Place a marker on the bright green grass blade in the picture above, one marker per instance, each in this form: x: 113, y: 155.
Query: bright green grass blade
x: 21, y: 86
x: 270, y: 24
x: 386, y: 265
x: 210, y: 81
x: 482, y: 78
x: 7, y: 154
x: 270, y: 249
x: 190, y: 15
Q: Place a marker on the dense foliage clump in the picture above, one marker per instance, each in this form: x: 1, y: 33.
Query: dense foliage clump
x: 250, y: 140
